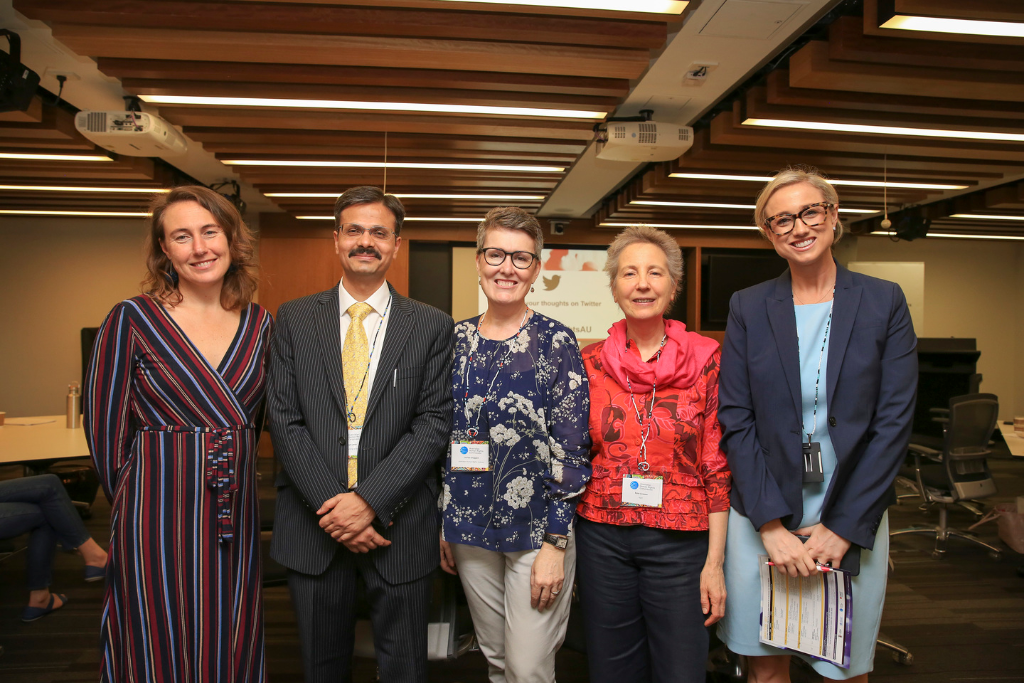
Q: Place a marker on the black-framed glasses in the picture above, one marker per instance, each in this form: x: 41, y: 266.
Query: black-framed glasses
x: 811, y: 215
x: 355, y: 231
x: 520, y: 259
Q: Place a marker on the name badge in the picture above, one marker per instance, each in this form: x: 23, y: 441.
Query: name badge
x: 814, y: 473
x: 353, y: 442
x: 471, y: 456
x: 641, y: 491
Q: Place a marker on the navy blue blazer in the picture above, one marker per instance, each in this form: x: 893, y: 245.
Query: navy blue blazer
x: 871, y: 386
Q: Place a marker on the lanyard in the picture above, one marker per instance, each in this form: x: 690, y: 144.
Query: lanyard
x: 817, y: 381
x: 366, y: 372
x: 473, y: 431
x: 645, y: 430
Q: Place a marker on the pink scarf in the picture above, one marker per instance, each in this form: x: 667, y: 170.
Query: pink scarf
x: 682, y: 360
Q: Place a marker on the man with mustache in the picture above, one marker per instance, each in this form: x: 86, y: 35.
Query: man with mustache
x: 360, y: 404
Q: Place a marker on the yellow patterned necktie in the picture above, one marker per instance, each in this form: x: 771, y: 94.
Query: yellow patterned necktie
x: 355, y: 361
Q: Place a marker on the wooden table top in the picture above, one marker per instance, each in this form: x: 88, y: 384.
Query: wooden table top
x: 1014, y: 441
x: 25, y: 439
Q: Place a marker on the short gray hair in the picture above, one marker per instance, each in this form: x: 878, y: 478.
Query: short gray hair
x: 511, y: 218
x: 793, y: 175
x: 645, y: 234
x: 368, y: 194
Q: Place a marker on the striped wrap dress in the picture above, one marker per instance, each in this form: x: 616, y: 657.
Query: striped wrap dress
x: 175, y: 443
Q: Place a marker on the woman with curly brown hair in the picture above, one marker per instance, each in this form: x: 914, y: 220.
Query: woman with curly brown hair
x: 173, y: 412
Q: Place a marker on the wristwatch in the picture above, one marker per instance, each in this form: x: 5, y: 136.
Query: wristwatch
x: 560, y: 542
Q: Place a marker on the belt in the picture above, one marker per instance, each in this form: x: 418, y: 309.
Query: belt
x: 220, y: 468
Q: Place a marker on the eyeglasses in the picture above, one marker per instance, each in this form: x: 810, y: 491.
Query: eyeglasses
x: 377, y: 232
x: 495, y: 257
x: 208, y: 234
x: 811, y: 215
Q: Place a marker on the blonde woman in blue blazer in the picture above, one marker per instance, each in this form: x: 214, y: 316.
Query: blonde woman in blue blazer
x: 824, y: 356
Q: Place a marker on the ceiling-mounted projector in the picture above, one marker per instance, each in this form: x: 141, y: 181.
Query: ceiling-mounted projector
x: 644, y: 141
x: 131, y: 133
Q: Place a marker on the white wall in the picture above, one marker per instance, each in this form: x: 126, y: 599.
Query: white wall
x: 973, y: 288
x: 56, y: 277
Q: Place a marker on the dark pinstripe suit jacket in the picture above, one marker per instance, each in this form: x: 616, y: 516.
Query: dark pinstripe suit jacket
x: 405, y: 433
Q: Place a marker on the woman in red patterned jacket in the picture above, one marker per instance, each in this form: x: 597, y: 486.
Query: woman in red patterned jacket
x: 651, y: 535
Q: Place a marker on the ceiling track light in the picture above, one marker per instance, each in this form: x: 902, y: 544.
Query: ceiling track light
x: 442, y: 219
x: 706, y: 205
x: 400, y: 195
x: 906, y: 131
x: 681, y: 226
x: 833, y: 181
x: 974, y: 27
x: 986, y: 217
x: 75, y: 188
x: 643, y: 6
x: 931, y: 235
x: 53, y: 157
x: 300, y: 163
x: 42, y: 212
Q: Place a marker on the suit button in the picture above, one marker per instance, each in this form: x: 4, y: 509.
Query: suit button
x: 832, y: 422
x: 341, y: 439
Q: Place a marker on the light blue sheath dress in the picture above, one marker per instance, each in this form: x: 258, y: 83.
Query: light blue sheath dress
x: 740, y: 628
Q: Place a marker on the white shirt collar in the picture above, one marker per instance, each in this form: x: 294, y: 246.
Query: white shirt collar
x: 378, y: 300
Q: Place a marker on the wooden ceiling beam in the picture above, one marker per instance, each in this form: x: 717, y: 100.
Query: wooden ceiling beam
x: 873, y: 19
x: 286, y: 48
x: 349, y: 21
x: 847, y: 42
x: 392, y: 123
x: 986, y: 10
x: 242, y: 72
x: 811, y: 67
x: 493, y: 98
x: 32, y: 114
x: 780, y: 92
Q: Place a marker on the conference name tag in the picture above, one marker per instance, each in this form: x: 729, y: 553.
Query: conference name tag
x: 471, y: 456
x: 641, y: 491
x: 353, y: 442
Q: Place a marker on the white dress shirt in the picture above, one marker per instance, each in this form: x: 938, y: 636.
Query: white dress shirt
x: 374, y: 338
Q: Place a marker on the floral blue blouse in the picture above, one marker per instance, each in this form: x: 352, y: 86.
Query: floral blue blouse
x: 528, y: 396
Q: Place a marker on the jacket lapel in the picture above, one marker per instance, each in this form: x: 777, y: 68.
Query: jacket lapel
x: 844, y: 313
x: 395, y: 337
x: 328, y: 333
x: 783, y: 322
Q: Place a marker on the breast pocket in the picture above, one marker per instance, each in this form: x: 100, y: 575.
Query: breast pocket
x: 411, y: 374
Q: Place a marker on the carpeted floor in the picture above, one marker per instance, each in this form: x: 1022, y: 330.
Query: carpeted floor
x: 961, y: 617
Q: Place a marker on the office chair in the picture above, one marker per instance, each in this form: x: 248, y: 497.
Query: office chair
x: 959, y: 472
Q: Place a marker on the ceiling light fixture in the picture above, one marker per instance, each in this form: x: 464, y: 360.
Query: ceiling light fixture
x: 488, y: 197
x: 704, y: 205
x: 645, y: 6
x: 957, y: 236
x: 974, y: 27
x: 74, y: 188
x: 984, y: 136
x: 987, y: 217
x: 446, y: 219
x: 53, y: 157
x: 853, y: 183
x: 681, y: 226
x: 380, y: 164
x: 41, y: 212
x: 372, y: 106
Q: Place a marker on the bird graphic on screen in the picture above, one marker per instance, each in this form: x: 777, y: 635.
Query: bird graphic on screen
x: 551, y: 282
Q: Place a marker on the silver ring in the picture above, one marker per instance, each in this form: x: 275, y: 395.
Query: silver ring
x: 554, y: 592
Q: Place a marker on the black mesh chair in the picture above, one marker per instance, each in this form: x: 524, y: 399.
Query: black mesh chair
x: 959, y: 472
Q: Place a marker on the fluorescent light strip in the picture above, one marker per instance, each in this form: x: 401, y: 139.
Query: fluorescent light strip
x: 40, y: 212
x: 702, y: 205
x: 392, y: 165
x: 679, y: 225
x: 72, y: 188
x: 450, y: 219
x: 372, y: 106
x: 888, y: 233
x: 986, y: 217
x: 646, y: 6
x: 944, y: 25
x: 886, y: 130
x: 852, y: 183
x: 53, y: 157
x: 489, y: 197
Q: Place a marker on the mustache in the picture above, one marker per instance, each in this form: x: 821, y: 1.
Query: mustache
x: 365, y: 250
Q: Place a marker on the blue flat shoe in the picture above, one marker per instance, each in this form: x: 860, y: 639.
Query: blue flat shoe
x: 30, y: 614
x: 95, y: 573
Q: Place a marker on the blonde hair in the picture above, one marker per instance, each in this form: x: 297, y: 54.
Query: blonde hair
x: 645, y: 234
x: 511, y: 218
x: 243, y: 275
x: 793, y: 175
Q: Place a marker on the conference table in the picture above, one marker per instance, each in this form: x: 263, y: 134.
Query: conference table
x: 1014, y: 441
x: 24, y: 440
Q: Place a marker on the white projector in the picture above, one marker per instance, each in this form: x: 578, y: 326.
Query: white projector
x: 133, y: 134
x: 645, y: 141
